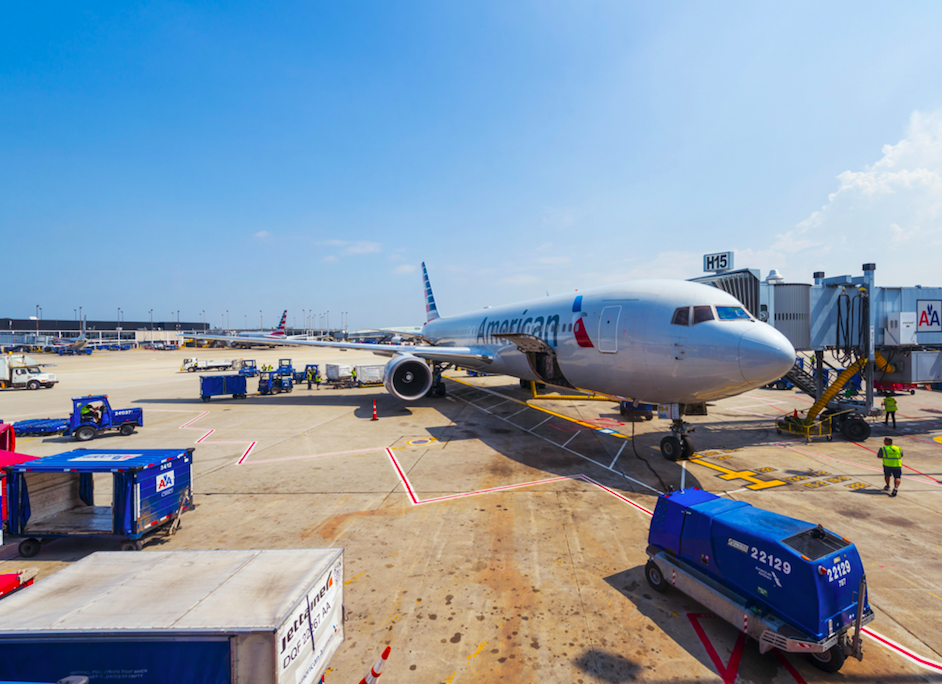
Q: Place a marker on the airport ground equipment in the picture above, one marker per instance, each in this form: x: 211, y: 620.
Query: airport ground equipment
x: 249, y: 369
x: 221, y: 385
x: 54, y: 496
x: 301, y: 376
x: 193, y: 365
x: 636, y: 413
x: 72, y: 351
x: 788, y: 584
x: 8, y: 457
x: 87, y: 427
x: 14, y: 581
x: 20, y: 370
x: 269, y: 382
x: 285, y: 368
x: 247, y: 616
x: 371, y: 376
x: 891, y: 388
x: 337, y: 372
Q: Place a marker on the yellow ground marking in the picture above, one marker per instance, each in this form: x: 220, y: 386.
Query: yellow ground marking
x: 938, y: 439
x: 452, y: 678
x: 747, y: 475
x: 480, y: 648
x: 353, y: 578
x: 597, y: 428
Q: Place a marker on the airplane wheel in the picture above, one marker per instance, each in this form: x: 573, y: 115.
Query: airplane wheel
x: 671, y: 448
x: 655, y: 577
x: 689, y: 448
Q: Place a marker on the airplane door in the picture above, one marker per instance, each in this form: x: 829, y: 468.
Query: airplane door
x: 608, y: 329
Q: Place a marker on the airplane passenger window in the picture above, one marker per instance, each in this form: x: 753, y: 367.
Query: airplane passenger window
x: 681, y: 316
x: 702, y: 313
x: 732, y: 313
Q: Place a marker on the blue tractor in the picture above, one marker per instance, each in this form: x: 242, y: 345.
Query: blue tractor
x: 270, y: 382
x: 87, y: 420
x: 249, y: 369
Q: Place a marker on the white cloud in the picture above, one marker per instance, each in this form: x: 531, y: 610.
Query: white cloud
x: 363, y: 247
x: 402, y: 269
x: 889, y: 212
x: 330, y: 259
x: 335, y: 243
x: 520, y: 279
x: 262, y: 234
x: 553, y: 260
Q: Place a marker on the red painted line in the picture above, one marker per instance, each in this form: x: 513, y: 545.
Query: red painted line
x: 859, y: 465
x: 402, y: 477
x: 616, y: 494
x: 902, y: 650
x: 247, y: 452
x: 493, y: 489
x: 187, y: 424
x: 331, y: 453
x: 796, y: 675
x: 205, y: 436
x: 729, y: 671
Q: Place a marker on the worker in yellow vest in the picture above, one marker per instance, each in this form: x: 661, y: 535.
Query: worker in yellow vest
x: 889, y: 405
x: 892, y: 464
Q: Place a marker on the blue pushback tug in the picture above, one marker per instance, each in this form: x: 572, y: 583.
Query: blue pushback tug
x: 787, y: 583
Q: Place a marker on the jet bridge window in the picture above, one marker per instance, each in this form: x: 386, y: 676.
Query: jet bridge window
x: 681, y: 316
x: 732, y: 313
x: 702, y: 314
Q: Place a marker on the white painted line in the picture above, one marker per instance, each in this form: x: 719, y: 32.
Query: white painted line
x: 571, y: 438
x: 534, y: 427
x: 500, y: 404
x: 510, y: 416
x: 623, y: 445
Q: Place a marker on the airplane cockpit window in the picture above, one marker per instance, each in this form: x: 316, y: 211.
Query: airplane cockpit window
x: 732, y: 313
x: 701, y: 314
x: 681, y: 316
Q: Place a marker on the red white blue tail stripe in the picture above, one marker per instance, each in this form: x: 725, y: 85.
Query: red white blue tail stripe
x: 431, y: 311
x: 280, y: 331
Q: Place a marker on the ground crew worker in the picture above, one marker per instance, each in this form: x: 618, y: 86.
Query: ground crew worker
x: 892, y: 464
x: 317, y: 378
x: 87, y: 413
x: 889, y: 405
x: 353, y: 374
x: 310, y: 377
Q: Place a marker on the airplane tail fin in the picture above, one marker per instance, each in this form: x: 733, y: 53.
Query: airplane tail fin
x: 280, y: 331
x: 431, y: 310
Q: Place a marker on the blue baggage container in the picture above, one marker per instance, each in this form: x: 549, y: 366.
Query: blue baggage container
x: 54, y: 496
x: 217, y: 385
x: 800, y: 572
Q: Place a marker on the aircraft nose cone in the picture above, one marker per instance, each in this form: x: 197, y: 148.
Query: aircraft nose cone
x: 765, y: 355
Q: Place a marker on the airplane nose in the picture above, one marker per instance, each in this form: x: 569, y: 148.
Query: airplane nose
x: 765, y: 355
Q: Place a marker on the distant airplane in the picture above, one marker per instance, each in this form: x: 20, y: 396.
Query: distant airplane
x: 652, y: 341
x: 277, y: 333
x: 75, y: 343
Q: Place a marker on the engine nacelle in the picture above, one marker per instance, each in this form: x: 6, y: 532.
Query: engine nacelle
x: 408, y: 378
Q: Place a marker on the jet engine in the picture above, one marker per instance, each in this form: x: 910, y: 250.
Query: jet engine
x: 408, y: 378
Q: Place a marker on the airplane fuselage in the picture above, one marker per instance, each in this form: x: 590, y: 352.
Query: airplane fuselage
x: 627, y: 340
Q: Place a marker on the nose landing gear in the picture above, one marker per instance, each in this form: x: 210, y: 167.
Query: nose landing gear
x: 677, y: 445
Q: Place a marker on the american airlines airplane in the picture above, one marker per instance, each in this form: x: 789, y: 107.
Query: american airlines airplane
x: 278, y: 332
x: 652, y: 341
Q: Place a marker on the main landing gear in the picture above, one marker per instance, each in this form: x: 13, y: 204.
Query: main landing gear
x: 677, y: 445
x: 438, y: 388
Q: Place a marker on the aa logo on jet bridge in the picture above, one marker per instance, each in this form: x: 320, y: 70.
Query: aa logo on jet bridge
x: 928, y: 315
x: 164, y: 481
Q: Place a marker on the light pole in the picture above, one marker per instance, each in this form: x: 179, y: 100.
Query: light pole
x: 246, y: 316
x: 260, y: 324
x: 227, y: 319
x: 75, y: 313
x: 151, y: 312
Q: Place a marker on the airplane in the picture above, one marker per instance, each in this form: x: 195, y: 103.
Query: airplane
x: 278, y: 332
x: 665, y: 342
x: 76, y: 343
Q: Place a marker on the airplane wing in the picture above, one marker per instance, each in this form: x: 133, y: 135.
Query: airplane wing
x: 466, y: 356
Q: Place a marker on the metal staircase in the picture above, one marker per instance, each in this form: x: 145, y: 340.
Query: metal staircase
x: 802, y: 379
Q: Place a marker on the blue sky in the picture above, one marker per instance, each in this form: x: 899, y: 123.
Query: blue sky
x: 245, y: 156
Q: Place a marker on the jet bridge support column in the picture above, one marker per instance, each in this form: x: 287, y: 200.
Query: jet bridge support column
x: 818, y: 374
x: 869, y: 281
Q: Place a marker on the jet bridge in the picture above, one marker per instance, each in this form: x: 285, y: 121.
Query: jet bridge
x: 892, y: 334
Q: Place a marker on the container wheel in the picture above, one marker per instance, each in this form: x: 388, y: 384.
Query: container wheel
x: 127, y: 429
x: 85, y: 433
x: 29, y: 547
x: 132, y: 545
x: 205, y: 398
x: 656, y: 578
x: 671, y: 448
x: 831, y: 660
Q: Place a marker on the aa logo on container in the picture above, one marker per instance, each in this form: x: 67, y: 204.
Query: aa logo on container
x: 165, y: 481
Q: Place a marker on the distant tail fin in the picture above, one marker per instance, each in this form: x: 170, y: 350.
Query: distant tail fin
x: 431, y: 311
x: 280, y: 331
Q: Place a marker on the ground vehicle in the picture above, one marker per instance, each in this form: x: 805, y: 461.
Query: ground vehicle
x: 787, y: 583
x: 636, y: 413
x: 285, y: 367
x: 269, y: 382
x: 193, y: 365
x: 218, y: 385
x: 266, y: 617
x: 150, y: 488
x: 301, y: 376
x: 89, y: 426
x: 20, y: 370
x: 248, y: 369
x: 890, y: 388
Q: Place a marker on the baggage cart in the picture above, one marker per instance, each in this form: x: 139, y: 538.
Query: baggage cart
x: 84, y: 427
x: 371, y: 376
x: 245, y: 617
x: 54, y: 496
x: 220, y: 385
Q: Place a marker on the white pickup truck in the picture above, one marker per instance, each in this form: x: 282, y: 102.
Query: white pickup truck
x: 193, y: 365
x: 19, y: 370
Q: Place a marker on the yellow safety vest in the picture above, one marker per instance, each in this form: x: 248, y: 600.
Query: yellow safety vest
x: 892, y: 456
x: 890, y: 403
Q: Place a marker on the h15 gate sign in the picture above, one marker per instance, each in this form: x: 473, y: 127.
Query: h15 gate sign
x: 721, y: 261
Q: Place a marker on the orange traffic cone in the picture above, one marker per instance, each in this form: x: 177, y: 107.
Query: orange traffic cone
x: 374, y: 410
x: 377, y: 669
x: 795, y: 414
